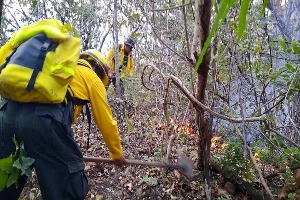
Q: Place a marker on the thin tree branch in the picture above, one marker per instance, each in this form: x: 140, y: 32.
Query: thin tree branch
x: 171, y: 8
x: 286, y: 138
x: 1, y: 10
x: 156, y: 35
x: 255, y: 164
x: 198, y: 104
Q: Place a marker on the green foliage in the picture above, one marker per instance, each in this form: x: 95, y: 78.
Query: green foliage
x: 287, y: 78
x: 148, y: 180
x: 289, y: 156
x: 277, y: 153
x: 265, y: 3
x: 223, y: 11
x: 130, y: 123
x: 242, y: 17
x: 282, y: 44
x: 222, y: 14
x: 267, y: 154
x: 15, y: 165
x: 158, y: 152
x: 264, y: 153
x: 182, y: 137
x: 147, y: 158
x: 291, y: 196
x: 232, y: 159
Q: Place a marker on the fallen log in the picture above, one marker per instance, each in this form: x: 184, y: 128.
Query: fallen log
x: 244, y: 186
x: 290, y: 187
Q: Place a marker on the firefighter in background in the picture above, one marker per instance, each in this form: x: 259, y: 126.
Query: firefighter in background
x: 125, y: 62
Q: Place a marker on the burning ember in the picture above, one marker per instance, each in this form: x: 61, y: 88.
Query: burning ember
x: 256, y: 156
x: 215, y: 143
x: 185, y: 128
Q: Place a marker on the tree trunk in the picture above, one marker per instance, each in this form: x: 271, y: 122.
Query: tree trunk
x: 202, y: 19
x: 203, y: 120
x: 118, y: 89
x: 1, y: 7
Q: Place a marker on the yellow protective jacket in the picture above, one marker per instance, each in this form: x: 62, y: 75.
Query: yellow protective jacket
x: 110, y: 61
x: 86, y: 85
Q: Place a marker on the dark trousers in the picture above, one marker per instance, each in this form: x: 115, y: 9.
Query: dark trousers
x: 47, y: 139
x: 113, y: 81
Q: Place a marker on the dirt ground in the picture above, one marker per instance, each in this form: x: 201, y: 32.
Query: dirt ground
x: 142, y: 139
x: 139, y: 182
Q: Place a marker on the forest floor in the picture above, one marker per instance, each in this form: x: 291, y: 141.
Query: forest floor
x: 138, y: 182
x: 142, y: 139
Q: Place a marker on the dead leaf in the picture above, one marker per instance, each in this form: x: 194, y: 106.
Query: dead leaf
x: 129, y: 186
x: 177, y: 174
x: 139, y: 191
x: 99, y: 197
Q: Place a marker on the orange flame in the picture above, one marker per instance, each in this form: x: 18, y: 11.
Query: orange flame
x: 186, y: 127
x: 214, y: 141
x: 224, y: 145
x: 214, y: 145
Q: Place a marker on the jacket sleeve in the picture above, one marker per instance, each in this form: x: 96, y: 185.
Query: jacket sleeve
x: 131, y: 65
x: 110, y: 61
x: 104, y: 120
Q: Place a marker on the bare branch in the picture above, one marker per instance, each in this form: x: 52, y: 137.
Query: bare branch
x: 157, y: 36
x: 171, y: 8
x: 255, y: 164
x: 1, y: 8
x: 154, y: 68
x: 286, y: 138
x: 197, y: 104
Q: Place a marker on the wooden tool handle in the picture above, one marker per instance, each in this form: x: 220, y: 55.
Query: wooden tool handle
x: 131, y: 162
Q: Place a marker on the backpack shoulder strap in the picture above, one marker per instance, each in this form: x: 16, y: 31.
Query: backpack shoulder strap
x: 7, y: 60
x: 39, y: 63
x: 68, y: 105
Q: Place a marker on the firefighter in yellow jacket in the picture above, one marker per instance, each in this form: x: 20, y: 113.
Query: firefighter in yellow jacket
x: 125, y: 62
x: 87, y: 86
x: 48, y: 137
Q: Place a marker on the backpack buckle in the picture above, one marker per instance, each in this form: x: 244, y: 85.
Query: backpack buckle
x: 46, y: 45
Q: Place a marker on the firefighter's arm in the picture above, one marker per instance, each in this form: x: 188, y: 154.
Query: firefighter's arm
x: 110, y: 60
x: 104, y: 120
x: 131, y: 65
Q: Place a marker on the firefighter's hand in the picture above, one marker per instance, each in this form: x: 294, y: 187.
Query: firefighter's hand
x: 120, y: 162
x: 107, y: 70
x: 110, y: 75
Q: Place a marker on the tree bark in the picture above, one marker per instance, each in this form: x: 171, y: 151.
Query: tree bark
x: 203, y: 8
x: 202, y: 20
x: 1, y: 7
x: 116, y: 37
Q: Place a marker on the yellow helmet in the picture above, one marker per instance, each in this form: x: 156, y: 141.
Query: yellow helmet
x: 96, y: 56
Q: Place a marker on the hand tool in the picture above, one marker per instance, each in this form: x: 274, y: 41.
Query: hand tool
x: 184, y: 164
